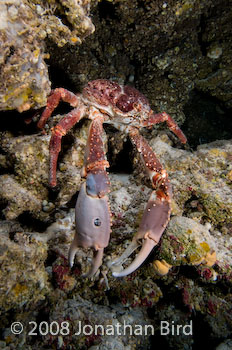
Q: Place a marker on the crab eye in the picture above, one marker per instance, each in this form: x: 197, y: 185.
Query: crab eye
x: 97, y: 222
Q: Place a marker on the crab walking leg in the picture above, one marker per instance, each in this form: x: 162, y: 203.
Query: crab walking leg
x: 58, y: 132
x: 93, y: 218
x: 157, y: 212
x: 53, y: 101
x: 164, y: 117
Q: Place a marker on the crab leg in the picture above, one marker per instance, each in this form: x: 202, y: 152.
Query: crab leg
x: 157, y: 212
x: 164, y: 117
x: 58, y: 132
x: 53, y: 101
x: 93, y: 218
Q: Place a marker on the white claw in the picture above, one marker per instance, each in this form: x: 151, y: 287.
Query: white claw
x: 147, y: 247
x: 72, y: 252
x: 129, y: 250
x: 96, y: 263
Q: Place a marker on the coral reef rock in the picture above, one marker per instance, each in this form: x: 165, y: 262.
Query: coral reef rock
x: 23, y: 27
x: 24, y: 280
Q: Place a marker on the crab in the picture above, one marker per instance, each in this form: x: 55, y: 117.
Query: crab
x: 103, y: 101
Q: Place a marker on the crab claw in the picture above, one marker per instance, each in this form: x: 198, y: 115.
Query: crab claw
x: 96, y: 262
x: 154, y: 222
x: 92, y: 226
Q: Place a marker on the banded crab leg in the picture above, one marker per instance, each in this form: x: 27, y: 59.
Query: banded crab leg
x: 164, y: 117
x: 93, y: 218
x: 53, y: 101
x: 61, y: 129
x: 157, y: 212
x: 66, y: 123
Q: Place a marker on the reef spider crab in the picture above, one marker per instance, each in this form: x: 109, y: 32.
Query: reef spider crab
x: 104, y: 101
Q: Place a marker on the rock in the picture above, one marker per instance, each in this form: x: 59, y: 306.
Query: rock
x: 24, y: 26
x: 227, y: 345
x: 178, y: 55
x: 24, y: 280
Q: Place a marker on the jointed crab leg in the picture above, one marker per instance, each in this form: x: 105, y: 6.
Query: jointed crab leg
x: 157, y: 211
x: 164, y: 117
x: 63, y: 126
x: 53, y: 101
x: 92, y: 209
x: 58, y: 132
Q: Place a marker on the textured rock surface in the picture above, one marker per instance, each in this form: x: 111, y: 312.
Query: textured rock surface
x: 23, y: 28
x: 24, y: 281
x: 178, y: 53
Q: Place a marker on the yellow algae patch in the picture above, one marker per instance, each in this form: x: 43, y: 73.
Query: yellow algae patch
x: 217, y: 152
x: 19, y: 289
x: 161, y: 267
x: 210, y: 259
x: 74, y: 39
x: 195, y: 259
x: 189, y: 231
x: 185, y: 7
x: 229, y: 175
x: 205, y: 246
x: 36, y: 53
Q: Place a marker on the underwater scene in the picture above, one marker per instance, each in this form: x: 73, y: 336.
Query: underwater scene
x: 116, y: 174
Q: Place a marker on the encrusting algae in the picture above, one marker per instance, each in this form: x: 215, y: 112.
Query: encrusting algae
x: 24, y: 25
x: 184, y: 51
